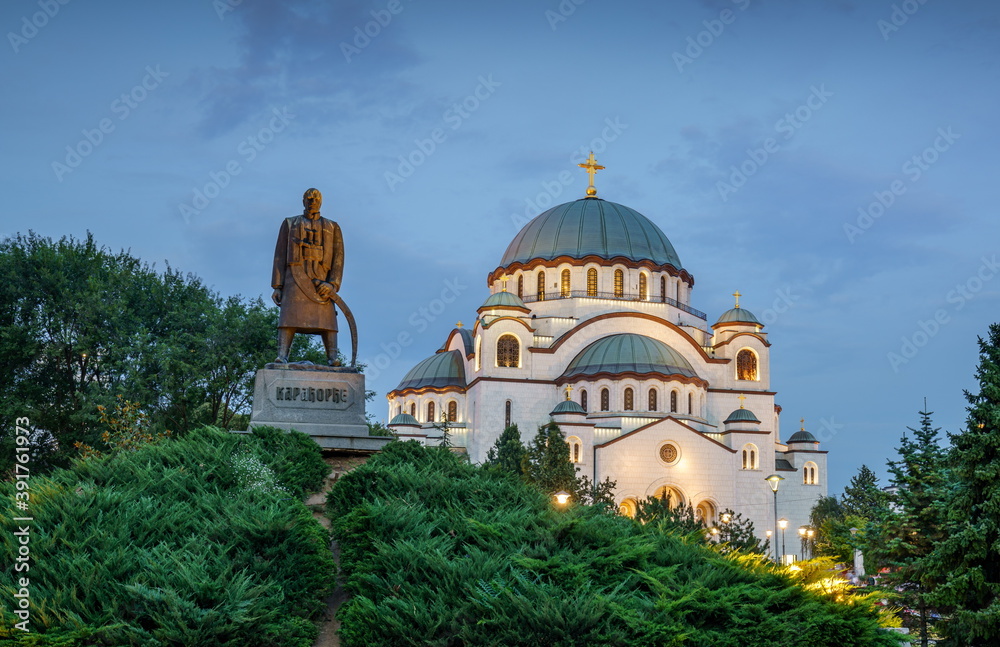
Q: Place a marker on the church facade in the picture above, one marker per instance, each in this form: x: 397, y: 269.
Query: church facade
x: 590, y: 323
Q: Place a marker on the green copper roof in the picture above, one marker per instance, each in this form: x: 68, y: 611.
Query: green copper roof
x: 591, y: 226
x: 567, y: 406
x: 741, y: 415
x: 438, y: 370
x: 404, y: 419
x: 467, y: 340
x: 738, y: 315
x: 503, y: 300
x: 628, y: 352
x: 802, y: 436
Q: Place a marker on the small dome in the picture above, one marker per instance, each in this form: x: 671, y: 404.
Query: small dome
x: 802, y: 436
x: 439, y: 370
x: 738, y: 315
x: 503, y: 300
x: 467, y: 340
x: 567, y: 406
x: 591, y: 227
x: 628, y: 353
x: 741, y: 415
x: 404, y: 419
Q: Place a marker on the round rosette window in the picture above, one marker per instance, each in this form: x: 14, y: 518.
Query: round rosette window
x: 669, y: 453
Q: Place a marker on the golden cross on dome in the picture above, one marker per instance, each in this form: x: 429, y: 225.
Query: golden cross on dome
x: 458, y: 325
x: 802, y: 421
x: 742, y: 398
x: 592, y: 168
x: 503, y: 279
x: 737, y: 295
x: 569, y: 391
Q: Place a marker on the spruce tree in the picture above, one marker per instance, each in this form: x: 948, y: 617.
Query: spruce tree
x: 863, y: 497
x: 967, y: 560
x: 909, y: 531
x: 507, y: 452
x: 546, y: 463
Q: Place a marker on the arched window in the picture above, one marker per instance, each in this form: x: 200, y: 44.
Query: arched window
x: 705, y: 513
x: 575, y: 449
x: 591, y: 282
x: 605, y: 400
x: 430, y: 412
x: 583, y: 400
x: 750, y: 457
x: 663, y: 289
x: 746, y: 365
x: 508, y: 351
x: 452, y: 411
x: 479, y: 352
x: 652, y: 400
x: 690, y: 404
x: 506, y: 414
x: 619, y: 284
x: 673, y: 402
x: 627, y: 508
x: 642, y: 286
x: 520, y: 286
x: 564, y: 284
x: 413, y: 409
x: 629, y: 399
x: 541, y: 286
x: 670, y: 494
x: 810, y: 474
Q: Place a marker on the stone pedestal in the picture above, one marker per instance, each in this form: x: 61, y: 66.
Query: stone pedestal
x: 327, y: 403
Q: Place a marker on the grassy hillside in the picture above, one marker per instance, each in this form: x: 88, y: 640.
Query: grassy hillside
x: 201, y: 540
x: 438, y: 552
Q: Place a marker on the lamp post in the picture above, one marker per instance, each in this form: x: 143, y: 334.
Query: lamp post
x: 809, y: 534
x: 562, y: 496
x: 802, y: 542
x: 782, y: 523
x: 769, y: 533
x: 773, y: 482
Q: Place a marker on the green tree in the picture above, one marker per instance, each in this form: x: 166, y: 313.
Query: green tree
x: 508, y: 452
x: 863, y: 497
x: 909, y: 531
x: 737, y: 533
x: 966, y: 561
x: 546, y: 461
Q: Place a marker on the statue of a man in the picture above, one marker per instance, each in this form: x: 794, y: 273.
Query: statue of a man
x: 308, y: 266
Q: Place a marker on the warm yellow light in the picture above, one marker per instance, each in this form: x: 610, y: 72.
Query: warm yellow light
x: 802, y: 531
x: 768, y: 533
x: 773, y: 481
x: 562, y: 496
x: 726, y: 518
x: 782, y: 523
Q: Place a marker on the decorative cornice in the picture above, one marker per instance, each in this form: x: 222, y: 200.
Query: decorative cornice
x: 756, y: 336
x: 452, y: 388
x: 487, y: 325
x: 743, y: 391
x: 593, y: 377
x: 644, y: 427
x: 587, y: 260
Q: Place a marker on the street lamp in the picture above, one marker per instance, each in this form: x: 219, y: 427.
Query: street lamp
x: 562, y: 496
x: 809, y: 534
x: 773, y: 482
x: 782, y: 523
x: 802, y: 542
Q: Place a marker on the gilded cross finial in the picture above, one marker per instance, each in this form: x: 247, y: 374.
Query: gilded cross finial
x: 458, y: 325
x: 503, y: 279
x: 742, y: 398
x: 569, y: 392
x: 737, y: 295
x: 802, y: 422
x: 592, y: 168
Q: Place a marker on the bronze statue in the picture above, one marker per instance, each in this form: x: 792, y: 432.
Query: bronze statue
x: 308, y: 266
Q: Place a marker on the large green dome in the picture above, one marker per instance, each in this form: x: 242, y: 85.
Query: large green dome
x: 437, y: 371
x: 628, y: 353
x: 591, y: 226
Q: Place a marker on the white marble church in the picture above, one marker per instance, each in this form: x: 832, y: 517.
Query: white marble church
x: 589, y: 323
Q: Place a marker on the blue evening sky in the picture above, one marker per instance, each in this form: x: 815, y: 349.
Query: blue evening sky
x: 754, y: 133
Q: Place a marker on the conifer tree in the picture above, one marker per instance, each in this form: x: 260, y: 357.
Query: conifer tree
x: 546, y: 463
x: 507, y: 452
x: 910, y: 529
x: 967, y: 560
x: 863, y: 497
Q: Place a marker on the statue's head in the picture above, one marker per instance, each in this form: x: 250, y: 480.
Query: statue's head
x: 312, y: 200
